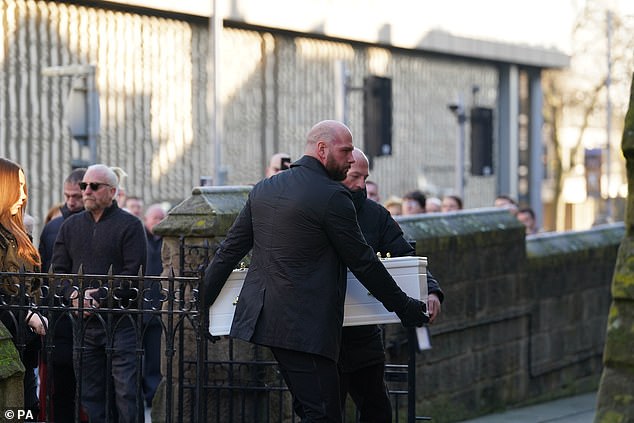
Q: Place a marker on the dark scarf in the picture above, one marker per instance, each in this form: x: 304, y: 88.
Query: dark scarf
x: 358, y: 198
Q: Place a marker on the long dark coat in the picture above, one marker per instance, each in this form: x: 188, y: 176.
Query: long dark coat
x: 303, y: 229
x: 362, y: 346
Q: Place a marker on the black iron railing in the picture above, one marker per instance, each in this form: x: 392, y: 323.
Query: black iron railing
x: 204, y: 378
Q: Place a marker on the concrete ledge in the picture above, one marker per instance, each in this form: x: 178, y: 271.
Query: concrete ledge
x: 484, y: 226
x: 551, y: 244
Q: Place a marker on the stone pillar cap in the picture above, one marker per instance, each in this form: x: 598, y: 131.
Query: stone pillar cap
x: 209, y: 212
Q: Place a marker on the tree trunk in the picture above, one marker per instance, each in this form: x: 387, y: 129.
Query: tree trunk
x: 616, y: 389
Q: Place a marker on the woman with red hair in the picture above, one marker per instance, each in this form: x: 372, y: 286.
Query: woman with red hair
x: 18, y: 254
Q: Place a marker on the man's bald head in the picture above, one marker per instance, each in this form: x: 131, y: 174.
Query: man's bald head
x: 330, y: 142
x: 278, y: 163
x: 360, y: 158
x: 153, y: 215
x: 358, y: 172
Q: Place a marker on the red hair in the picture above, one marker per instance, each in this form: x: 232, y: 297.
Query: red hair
x: 9, y: 195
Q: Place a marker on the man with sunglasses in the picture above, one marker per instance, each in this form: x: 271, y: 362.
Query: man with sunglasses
x: 99, y: 238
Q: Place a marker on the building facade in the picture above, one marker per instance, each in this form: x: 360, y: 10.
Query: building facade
x: 155, y: 79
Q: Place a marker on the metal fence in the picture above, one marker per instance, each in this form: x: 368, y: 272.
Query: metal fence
x: 203, y: 378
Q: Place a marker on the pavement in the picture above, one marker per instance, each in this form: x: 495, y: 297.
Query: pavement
x: 577, y: 409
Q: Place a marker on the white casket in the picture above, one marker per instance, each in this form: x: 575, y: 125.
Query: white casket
x: 361, y: 308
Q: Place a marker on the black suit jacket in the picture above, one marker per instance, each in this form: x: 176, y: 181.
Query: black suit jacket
x: 385, y: 236
x: 303, y: 229
x: 362, y: 346
x: 49, y: 234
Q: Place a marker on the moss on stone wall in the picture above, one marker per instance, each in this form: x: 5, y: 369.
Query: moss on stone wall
x: 623, y: 286
x: 469, y: 228
x: 209, y: 212
x: 549, y: 246
x: 616, y: 390
x: 618, y: 352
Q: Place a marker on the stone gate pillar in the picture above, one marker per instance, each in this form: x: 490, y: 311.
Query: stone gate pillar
x: 191, y: 233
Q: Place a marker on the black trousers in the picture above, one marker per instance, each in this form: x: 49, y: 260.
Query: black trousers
x: 151, y: 359
x: 30, y: 392
x: 314, y: 382
x: 61, y: 369
x: 367, y: 388
x: 63, y: 392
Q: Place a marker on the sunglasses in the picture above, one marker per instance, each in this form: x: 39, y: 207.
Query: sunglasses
x: 93, y: 185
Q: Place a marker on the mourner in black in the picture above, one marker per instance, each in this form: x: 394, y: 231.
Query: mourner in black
x: 152, y: 333
x: 102, y: 238
x: 302, y: 227
x: 362, y: 357
x: 60, y: 369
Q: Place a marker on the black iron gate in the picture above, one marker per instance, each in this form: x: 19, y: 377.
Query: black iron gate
x: 204, y: 378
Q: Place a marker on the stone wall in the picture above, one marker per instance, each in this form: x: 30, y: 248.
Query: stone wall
x: 524, y: 319
x: 192, y: 232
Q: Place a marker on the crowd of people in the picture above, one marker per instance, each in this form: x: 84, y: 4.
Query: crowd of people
x: 88, y: 229
x: 526, y: 215
x: 416, y: 202
x: 305, y: 223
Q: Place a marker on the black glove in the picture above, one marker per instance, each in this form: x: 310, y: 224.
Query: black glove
x: 413, y: 314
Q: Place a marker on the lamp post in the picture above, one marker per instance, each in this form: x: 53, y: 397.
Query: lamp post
x: 215, y: 32
x: 608, y: 125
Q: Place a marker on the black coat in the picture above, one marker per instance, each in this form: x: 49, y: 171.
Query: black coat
x: 362, y: 346
x: 117, y: 240
x: 384, y: 235
x: 303, y: 229
x: 154, y: 267
x: 49, y: 234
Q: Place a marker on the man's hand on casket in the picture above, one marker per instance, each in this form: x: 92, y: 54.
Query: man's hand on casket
x: 211, y: 337
x: 413, y: 314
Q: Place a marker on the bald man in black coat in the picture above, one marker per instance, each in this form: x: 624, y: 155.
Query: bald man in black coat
x: 362, y: 357
x: 303, y: 229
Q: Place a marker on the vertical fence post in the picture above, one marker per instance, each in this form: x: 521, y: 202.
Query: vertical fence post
x: 169, y: 348
x: 201, y: 338
x: 411, y: 375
